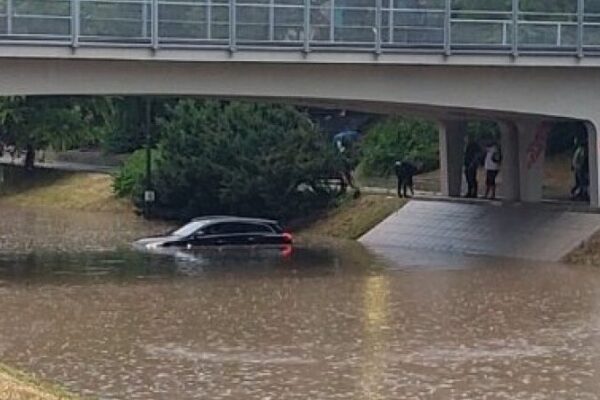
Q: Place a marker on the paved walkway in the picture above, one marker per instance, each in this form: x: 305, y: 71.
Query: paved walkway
x: 517, y: 231
x: 63, y: 165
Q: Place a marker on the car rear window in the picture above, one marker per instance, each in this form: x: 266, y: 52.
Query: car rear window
x: 276, y: 228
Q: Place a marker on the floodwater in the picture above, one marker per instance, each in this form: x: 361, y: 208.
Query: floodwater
x: 79, y: 307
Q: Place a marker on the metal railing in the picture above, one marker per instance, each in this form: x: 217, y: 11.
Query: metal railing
x: 379, y: 26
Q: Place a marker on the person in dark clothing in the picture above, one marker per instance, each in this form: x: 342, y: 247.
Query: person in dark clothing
x: 473, y: 155
x: 580, y: 168
x: 405, y: 170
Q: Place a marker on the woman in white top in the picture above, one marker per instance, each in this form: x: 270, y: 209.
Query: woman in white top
x: 493, y: 158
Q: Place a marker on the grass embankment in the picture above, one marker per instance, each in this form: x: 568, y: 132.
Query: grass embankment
x: 15, y: 385
x: 355, y: 217
x: 586, y: 254
x: 78, y: 191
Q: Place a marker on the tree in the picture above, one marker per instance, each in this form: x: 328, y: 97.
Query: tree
x: 38, y: 122
x: 239, y: 158
x: 395, y: 139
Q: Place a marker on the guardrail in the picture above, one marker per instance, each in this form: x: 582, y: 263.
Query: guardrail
x: 309, y: 25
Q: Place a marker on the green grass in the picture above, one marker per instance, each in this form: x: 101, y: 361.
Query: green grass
x: 16, y: 385
x: 80, y: 191
x: 355, y: 217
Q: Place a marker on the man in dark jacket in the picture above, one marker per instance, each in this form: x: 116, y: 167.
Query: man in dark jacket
x: 405, y: 170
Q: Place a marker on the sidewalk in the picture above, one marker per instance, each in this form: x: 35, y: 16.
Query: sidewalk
x: 546, y: 204
x: 63, y: 165
x: 529, y: 232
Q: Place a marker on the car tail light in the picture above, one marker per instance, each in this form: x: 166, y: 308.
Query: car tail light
x: 287, y: 237
x: 287, y: 251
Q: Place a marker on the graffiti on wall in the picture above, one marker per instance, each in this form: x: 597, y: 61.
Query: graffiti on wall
x: 538, y: 146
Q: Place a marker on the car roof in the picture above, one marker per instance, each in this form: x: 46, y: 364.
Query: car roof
x: 229, y: 218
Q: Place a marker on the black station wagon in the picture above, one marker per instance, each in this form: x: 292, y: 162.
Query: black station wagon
x: 221, y: 231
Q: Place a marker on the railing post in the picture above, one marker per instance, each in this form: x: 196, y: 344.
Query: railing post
x: 232, y: 25
x: 9, y: 17
x: 391, y: 21
x: 145, y: 19
x: 306, y: 36
x: 515, y: 28
x: 209, y: 19
x: 75, y: 23
x: 448, y: 27
x: 332, y: 21
x: 271, y: 20
x: 378, y: 20
x: 144, y: 30
x: 155, y: 21
x: 580, y: 27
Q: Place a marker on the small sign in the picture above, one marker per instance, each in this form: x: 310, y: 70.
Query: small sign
x: 149, y: 196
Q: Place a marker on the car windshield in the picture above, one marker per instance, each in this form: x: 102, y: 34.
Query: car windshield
x: 189, y: 228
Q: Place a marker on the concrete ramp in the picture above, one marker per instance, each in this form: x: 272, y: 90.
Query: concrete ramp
x: 482, y: 229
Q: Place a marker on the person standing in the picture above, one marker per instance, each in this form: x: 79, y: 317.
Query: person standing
x: 493, y: 158
x: 405, y: 170
x: 472, y: 161
x: 580, y: 168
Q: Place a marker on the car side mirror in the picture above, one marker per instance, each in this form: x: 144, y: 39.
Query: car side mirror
x: 199, y: 233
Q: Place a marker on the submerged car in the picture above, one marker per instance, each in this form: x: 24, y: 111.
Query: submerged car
x: 221, y: 231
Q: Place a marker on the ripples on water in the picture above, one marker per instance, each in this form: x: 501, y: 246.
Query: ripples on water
x: 328, y: 323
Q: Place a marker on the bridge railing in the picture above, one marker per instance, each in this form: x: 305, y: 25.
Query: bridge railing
x: 504, y: 26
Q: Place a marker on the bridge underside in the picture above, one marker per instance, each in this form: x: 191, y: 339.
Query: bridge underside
x: 522, y: 99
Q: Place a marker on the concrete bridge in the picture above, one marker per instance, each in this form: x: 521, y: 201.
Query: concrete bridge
x: 510, y: 62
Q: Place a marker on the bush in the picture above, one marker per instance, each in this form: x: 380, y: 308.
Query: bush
x: 236, y: 158
x: 131, y: 180
x: 396, y: 139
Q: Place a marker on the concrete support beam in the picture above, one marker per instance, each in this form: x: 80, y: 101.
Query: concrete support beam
x: 452, y: 141
x: 593, y: 159
x: 532, y: 137
x: 509, y: 144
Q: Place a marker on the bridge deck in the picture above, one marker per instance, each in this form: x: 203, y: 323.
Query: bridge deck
x: 488, y: 230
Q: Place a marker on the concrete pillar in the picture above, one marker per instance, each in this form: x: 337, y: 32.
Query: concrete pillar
x: 452, y: 142
x: 509, y: 144
x: 532, y: 137
x: 593, y: 152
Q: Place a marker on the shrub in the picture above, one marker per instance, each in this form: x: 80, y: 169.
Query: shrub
x: 131, y: 180
x: 399, y: 139
x: 236, y: 158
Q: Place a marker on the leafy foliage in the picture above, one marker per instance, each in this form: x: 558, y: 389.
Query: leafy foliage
x: 41, y: 121
x: 132, y: 176
x: 237, y: 158
x: 125, y: 119
x: 395, y: 139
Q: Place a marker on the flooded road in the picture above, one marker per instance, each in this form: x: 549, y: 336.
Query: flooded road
x: 331, y: 322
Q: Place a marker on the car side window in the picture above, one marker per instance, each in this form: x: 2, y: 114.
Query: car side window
x: 236, y: 227
x: 259, y: 228
x: 214, y: 229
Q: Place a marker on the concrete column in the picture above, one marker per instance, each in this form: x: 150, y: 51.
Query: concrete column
x: 452, y: 142
x: 593, y: 152
x: 532, y: 136
x: 510, y: 189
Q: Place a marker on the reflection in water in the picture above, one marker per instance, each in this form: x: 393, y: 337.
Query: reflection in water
x: 374, y: 332
x: 326, y: 323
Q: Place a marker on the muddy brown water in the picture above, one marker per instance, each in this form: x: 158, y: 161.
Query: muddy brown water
x: 79, y: 307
